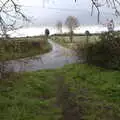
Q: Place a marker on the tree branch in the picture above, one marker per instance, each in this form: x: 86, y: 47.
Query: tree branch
x: 111, y: 3
x: 11, y: 10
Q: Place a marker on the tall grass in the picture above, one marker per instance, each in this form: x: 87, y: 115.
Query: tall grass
x: 14, y: 49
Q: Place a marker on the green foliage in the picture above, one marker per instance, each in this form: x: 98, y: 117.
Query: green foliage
x: 105, y: 53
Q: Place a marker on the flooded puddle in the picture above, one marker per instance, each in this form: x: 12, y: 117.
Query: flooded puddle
x: 58, y: 57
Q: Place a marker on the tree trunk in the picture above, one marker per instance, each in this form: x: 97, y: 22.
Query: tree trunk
x: 71, y: 36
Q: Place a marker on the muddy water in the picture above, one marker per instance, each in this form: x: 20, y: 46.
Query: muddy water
x: 58, y: 57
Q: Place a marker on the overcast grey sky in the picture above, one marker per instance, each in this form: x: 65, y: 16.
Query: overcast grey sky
x: 53, y: 10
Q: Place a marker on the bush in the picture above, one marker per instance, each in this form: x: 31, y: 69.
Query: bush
x: 105, y: 53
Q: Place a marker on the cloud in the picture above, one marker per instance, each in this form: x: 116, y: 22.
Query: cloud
x: 55, y: 10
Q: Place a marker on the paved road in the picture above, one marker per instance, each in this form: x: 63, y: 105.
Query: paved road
x: 58, y: 57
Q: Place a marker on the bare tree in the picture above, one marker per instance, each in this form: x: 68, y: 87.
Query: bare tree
x: 10, y: 15
x: 71, y: 22
x: 114, y: 4
x: 59, y: 26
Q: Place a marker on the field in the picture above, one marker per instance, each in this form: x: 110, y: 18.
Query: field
x: 65, y: 41
x: 74, y: 92
x: 23, y: 47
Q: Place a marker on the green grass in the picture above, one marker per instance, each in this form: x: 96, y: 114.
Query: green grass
x: 86, y: 91
x: 29, y: 96
x: 96, y: 91
x: 23, y: 47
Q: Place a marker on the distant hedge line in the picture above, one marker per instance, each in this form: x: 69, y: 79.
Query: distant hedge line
x: 67, y: 34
